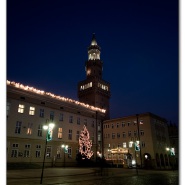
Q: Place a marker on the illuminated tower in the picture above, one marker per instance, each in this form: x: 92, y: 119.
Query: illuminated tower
x: 94, y: 90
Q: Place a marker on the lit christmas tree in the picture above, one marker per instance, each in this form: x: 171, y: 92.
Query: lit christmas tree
x: 85, y: 144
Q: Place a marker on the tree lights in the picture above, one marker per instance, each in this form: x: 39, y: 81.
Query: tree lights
x: 85, y: 144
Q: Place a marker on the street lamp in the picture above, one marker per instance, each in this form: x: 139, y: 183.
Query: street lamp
x: 65, y: 147
x: 172, y: 154
x: 49, y: 128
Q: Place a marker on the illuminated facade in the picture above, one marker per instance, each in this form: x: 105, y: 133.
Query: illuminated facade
x: 28, y: 109
x: 121, y: 138
x: 94, y: 90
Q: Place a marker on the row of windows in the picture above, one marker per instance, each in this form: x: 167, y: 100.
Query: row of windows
x: 21, y: 109
x: 26, y: 153
x: 29, y: 131
x: 129, y: 144
x: 123, y: 124
x: 118, y: 135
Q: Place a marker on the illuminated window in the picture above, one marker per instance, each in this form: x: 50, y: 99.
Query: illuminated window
x: 41, y: 113
x: 18, y: 127
x: 48, y: 151
x: 124, y: 145
x: 29, y: 129
x: 130, y: 144
x: 32, y: 111
x: 70, y: 134
x: 21, y: 108
x: 59, y: 133
x: 70, y: 119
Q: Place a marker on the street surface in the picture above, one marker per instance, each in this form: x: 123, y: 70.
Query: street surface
x: 92, y: 176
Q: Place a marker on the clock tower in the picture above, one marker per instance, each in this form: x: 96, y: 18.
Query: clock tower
x: 94, y: 90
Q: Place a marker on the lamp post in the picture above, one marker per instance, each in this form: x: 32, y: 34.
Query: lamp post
x: 172, y: 154
x: 49, y: 128
x: 65, y: 147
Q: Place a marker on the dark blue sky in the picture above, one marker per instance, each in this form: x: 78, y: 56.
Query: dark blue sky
x: 47, y: 48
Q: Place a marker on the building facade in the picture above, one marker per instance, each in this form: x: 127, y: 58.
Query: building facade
x: 138, y: 139
x: 28, y: 109
x: 94, y: 90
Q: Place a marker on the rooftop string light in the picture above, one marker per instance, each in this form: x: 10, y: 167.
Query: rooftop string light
x: 41, y: 92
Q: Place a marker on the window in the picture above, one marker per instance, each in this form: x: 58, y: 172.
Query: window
x: 32, y: 111
x: 112, y: 125
x: 129, y: 133
x: 78, y: 120
x: 113, y: 135
x: 21, y: 108
x: 124, y: 145
x: 48, y: 151
x: 38, y: 146
x: 15, y: 145
x: 141, y: 122
x: 85, y: 122
x: 130, y: 144
x: 59, y: 133
x: 26, y: 153
x: 118, y: 135
x: 27, y: 146
x: 123, y: 124
x: 37, y: 153
x: 69, y: 152
x: 135, y: 133
x: 77, y: 135
x: 41, y: 113
x: 14, y: 153
x: 29, y: 129
x: 143, y: 144
x: 51, y: 115
x: 59, y: 152
x: 70, y: 134
x: 70, y: 119
x: 18, y: 127
x: 124, y: 134
x: 135, y: 122
x: 142, y: 132
x: 61, y: 117
x: 128, y: 124
x: 7, y: 108
x: 39, y: 130
x: 117, y: 125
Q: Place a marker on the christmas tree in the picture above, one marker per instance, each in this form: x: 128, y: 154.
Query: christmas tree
x: 85, y: 144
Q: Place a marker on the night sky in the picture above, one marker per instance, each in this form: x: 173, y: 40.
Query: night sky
x: 47, y: 45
